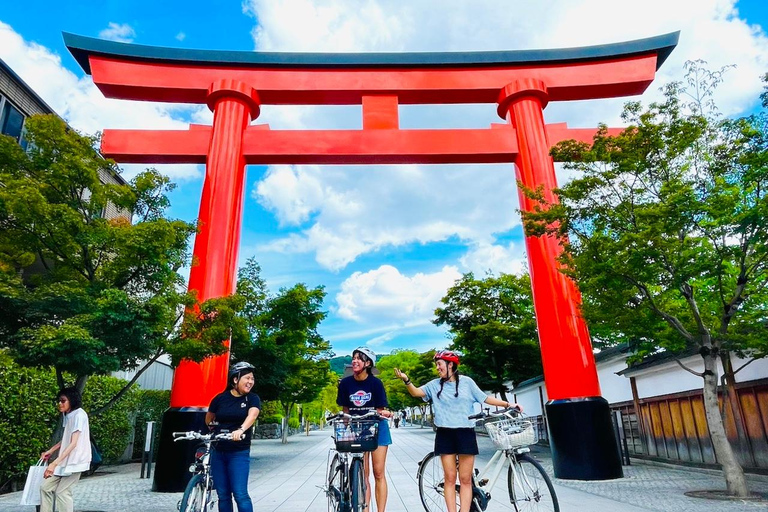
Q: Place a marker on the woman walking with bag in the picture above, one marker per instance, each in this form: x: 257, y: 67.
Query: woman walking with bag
x: 234, y: 411
x: 453, y: 398
x: 74, y: 455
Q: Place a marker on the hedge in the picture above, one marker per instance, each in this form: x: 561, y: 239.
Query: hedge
x: 29, y: 417
x: 152, y: 405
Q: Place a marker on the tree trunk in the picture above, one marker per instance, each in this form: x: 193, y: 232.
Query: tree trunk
x: 284, y: 437
x: 734, y: 474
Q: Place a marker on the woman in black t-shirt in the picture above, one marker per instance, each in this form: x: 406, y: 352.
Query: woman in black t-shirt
x: 359, y: 393
x: 233, y: 411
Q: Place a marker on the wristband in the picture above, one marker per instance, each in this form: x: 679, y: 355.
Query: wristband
x: 407, y: 382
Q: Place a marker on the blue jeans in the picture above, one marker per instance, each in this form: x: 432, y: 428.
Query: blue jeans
x: 230, y: 478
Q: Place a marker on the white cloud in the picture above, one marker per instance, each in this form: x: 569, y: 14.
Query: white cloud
x: 344, y: 212
x: 385, y: 296
x: 122, y: 33
x: 79, y: 101
x: 181, y: 36
x: 485, y: 257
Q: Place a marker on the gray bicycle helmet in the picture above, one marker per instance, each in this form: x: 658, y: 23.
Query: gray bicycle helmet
x: 367, y: 353
x: 239, y: 368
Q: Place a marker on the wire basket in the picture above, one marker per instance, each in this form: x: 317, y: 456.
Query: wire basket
x: 356, y: 435
x: 507, y: 433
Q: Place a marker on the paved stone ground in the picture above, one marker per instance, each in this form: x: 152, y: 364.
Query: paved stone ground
x: 288, y: 478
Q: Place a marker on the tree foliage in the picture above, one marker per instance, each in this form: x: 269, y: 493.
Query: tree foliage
x: 419, y: 368
x: 492, y: 323
x: 668, y: 226
x: 84, y: 292
x: 290, y: 355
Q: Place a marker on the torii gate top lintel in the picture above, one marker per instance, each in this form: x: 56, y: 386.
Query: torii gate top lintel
x: 83, y: 47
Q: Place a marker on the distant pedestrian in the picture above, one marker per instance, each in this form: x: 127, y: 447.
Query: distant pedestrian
x: 234, y: 411
x: 455, y: 436
x: 405, y: 416
x: 74, y: 455
x: 397, y: 421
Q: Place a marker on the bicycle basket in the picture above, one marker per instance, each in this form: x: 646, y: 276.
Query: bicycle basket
x: 507, y: 433
x: 356, y: 435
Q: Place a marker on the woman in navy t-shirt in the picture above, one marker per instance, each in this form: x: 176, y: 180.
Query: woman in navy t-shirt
x: 234, y: 411
x: 358, y: 394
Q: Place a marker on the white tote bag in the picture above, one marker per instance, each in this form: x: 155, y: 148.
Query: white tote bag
x: 31, y: 494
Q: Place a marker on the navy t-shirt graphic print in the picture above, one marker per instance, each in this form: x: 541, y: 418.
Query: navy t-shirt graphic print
x: 361, y: 396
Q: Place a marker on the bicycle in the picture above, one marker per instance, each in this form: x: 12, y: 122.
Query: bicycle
x: 345, y: 481
x: 528, y: 484
x: 198, y: 495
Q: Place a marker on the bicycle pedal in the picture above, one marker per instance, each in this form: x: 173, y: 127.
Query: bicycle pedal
x: 482, y: 482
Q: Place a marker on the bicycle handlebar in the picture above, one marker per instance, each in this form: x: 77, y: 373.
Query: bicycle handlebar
x: 343, y: 416
x: 190, y: 435
x: 510, y: 412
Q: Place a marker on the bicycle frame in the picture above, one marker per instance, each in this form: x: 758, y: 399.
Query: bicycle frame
x: 202, y: 464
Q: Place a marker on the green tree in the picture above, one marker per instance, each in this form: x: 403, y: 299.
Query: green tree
x: 325, y: 402
x: 668, y: 225
x: 397, y: 395
x: 492, y: 324
x: 83, y: 293
x: 290, y: 356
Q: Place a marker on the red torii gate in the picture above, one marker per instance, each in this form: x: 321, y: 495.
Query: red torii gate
x: 235, y: 84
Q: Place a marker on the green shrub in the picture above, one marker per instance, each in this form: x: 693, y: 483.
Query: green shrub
x: 293, y: 422
x: 112, y: 429
x: 271, y: 412
x: 28, y: 417
x: 152, y: 404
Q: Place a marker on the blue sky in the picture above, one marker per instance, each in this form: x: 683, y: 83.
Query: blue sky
x: 385, y: 241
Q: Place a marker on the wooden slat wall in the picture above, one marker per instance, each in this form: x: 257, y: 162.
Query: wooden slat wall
x: 674, y: 427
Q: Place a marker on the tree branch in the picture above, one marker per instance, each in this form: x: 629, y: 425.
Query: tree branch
x: 671, y: 320
x: 689, y: 370
x: 743, y: 366
x: 130, y: 383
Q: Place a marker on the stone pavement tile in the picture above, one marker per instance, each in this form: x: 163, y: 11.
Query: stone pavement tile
x: 289, y: 478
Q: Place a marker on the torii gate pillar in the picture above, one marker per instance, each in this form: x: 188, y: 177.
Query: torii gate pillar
x: 569, y: 368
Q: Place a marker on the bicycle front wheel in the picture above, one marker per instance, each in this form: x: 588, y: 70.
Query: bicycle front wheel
x: 357, y: 485
x: 335, y: 484
x: 432, y: 484
x: 530, y: 488
x: 194, y: 499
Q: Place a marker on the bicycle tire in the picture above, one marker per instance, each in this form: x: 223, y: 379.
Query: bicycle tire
x: 335, y: 484
x: 535, y: 492
x: 194, y: 499
x: 432, y: 484
x: 357, y: 486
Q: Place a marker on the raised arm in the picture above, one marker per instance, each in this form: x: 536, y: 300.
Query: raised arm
x: 410, y: 386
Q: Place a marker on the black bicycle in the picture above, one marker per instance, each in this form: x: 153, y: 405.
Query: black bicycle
x: 199, y: 495
x: 345, y: 480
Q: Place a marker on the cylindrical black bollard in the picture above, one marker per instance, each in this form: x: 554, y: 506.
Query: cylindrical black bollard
x: 174, y: 458
x: 582, y: 439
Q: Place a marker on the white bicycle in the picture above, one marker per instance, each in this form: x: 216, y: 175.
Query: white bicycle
x: 529, y: 486
x: 199, y: 495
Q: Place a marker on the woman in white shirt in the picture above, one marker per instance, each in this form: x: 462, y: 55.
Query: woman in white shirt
x: 74, y: 454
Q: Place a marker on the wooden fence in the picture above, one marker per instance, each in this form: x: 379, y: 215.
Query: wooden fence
x: 674, y: 427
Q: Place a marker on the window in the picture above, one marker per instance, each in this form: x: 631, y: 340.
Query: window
x: 11, y: 121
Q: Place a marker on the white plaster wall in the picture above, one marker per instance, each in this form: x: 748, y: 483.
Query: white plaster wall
x: 670, y: 378
x: 529, y: 399
x: 615, y: 388
x: 756, y: 369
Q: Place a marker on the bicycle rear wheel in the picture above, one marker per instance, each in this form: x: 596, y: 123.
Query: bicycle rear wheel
x: 530, y: 488
x: 357, y: 486
x: 335, y: 484
x: 432, y: 484
x: 195, y: 496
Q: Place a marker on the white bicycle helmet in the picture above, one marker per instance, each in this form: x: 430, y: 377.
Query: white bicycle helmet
x: 367, y: 353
